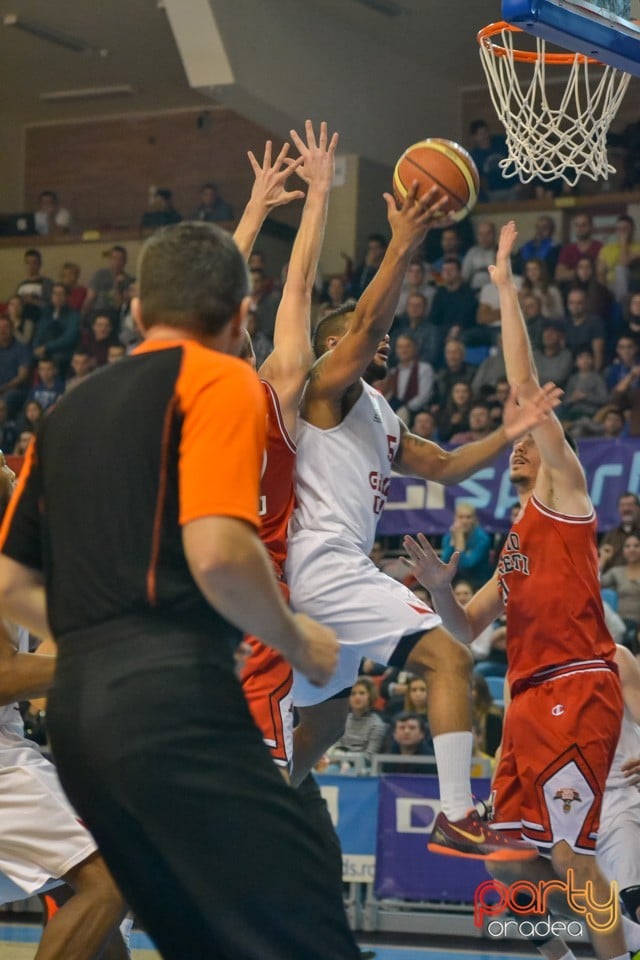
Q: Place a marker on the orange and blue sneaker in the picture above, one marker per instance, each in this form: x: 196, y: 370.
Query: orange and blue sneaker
x: 472, y: 838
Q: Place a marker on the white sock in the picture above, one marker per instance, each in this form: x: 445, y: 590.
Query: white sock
x: 453, y: 757
x: 631, y: 933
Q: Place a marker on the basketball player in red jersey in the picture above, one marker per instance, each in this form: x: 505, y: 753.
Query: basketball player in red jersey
x: 267, y: 677
x: 564, y: 720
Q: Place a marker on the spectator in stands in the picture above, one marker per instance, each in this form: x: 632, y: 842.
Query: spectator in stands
x: 30, y: 416
x: 212, y: 207
x: 454, y: 416
x: 81, y: 366
x: 624, y: 371
x: 487, y: 716
x: 409, y: 738
x: 582, y: 329
x: 161, y: 211
x: 263, y: 302
x: 608, y: 423
x: 50, y: 217
x: 261, y: 343
x: 455, y: 369
x: 8, y: 429
x: 586, y: 390
x: 116, y: 352
x: 76, y: 292
x: 480, y: 424
x: 107, y: 285
x: 554, y: 362
x: 336, y: 294
x: 488, y: 150
x: 478, y: 259
x: 611, y: 545
x: 631, y: 318
x: 450, y: 246
x: 467, y: 538
x: 23, y: 326
x: 531, y: 305
x: 535, y: 279
x: 415, y: 699
x: 424, y: 425
x: 129, y: 333
x: 415, y: 323
x: 23, y: 441
x: 490, y: 371
x: 454, y: 306
x: 35, y: 289
x: 409, y: 383
x: 364, y: 730
x: 366, y: 271
x: 488, y: 313
x: 542, y: 245
x: 14, y: 368
x: 583, y: 246
x: 619, y: 252
x: 98, y: 338
x: 49, y: 385
x: 625, y: 580
x: 58, y: 331
x: 416, y: 281
x: 599, y: 299
x: 497, y: 400
x: 488, y: 648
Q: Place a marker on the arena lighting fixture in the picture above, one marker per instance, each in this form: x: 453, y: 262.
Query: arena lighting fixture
x: 88, y: 93
x: 48, y: 34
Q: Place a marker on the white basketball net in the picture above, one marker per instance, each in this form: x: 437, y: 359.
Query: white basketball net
x: 547, y: 143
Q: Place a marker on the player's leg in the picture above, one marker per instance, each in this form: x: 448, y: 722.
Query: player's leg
x: 88, y: 920
x: 319, y: 727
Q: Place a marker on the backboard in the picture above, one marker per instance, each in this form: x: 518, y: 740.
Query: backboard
x: 591, y: 28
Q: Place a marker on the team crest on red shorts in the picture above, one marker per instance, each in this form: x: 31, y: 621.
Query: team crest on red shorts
x: 568, y: 796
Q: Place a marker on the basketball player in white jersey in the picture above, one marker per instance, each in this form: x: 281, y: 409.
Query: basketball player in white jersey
x: 349, y: 439
x: 42, y: 840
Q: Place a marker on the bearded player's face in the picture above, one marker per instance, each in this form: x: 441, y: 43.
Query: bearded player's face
x: 524, y: 461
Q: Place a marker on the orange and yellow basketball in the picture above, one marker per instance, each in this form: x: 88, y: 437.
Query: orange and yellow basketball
x: 443, y: 164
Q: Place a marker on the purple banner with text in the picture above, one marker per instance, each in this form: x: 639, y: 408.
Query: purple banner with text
x: 414, y: 505
x: 404, y: 867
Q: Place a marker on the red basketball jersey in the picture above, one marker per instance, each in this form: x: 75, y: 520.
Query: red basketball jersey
x: 276, y: 485
x: 548, y: 577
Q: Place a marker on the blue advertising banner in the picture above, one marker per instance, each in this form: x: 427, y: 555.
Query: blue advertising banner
x: 353, y: 805
x: 413, y: 505
x: 405, y: 869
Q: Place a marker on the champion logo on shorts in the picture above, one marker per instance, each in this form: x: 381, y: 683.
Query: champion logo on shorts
x: 558, y: 710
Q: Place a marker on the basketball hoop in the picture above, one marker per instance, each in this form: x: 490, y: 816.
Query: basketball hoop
x: 544, y: 142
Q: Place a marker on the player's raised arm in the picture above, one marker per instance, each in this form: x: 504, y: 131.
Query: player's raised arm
x: 561, y: 475
x: 342, y: 365
x: 287, y: 366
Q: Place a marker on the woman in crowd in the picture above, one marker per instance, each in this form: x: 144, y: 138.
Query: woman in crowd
x: 536, y: 281
x: 473, y: 544
x: 364, y: 730
x: 625, y: 580
x: 487, y: 716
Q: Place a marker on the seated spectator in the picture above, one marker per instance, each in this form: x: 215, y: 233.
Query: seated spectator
x: 424, y: 425
x: 487, y: 150
x: 336, y: 294
x: 554, y: 362
x: 489, y: 647
x: 450, y: 246
x: 212, y: 207
x: 416, y: 281
x: 23, y: 326
x: 583, y: 330
x: 608, y: 423
x: 366, y: 271
x: 487, y: 716
x: 623, y: 373
x: 453, y: 417
x: 58, y: 331
x: 30, y: 417
x: 8, y: 429
x: 473, y: 544
x: 583, y: 246
x: 585, y: 391
x: 116, y: 352
x: 263, y: 302
x: 262, y: 344
x: 49, y: 385
x: 161, y: 212
x: 491, y: 370
x: 81, y: 366
x: 619, y: 252
x: 531, y: 306
x: 599, y: 300
x: 14, y: 369
x: 409, y: 738
x: 625, y: 580
x: 76, y: 292
x: 23, y: 441
x: 415, y: 323
x: 35, y: 289
x: 480, y: 424
x: 631, y: 318
x: 454, y: 305
x: 129, y: 333
x: 542, y: 246
x: 50, y: 217
x: 535, y: 279
x: 409, y: 384
x: 613, y: 541
x: 488, y: 313
x: 98, y: 338
x: 455, y: 369
x: 497, y: 400
x: 364, y: 730
x: 107, y: 285
x: 478, y: 259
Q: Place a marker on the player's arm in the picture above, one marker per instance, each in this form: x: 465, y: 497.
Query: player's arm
x: 24, y: 675
x: 422, y: 458
x: 22, y: 596
x: 629, y: 672
x: 286, y: 368
x: 465, y: 623
x: 268, y: 192
x: 341, y: 367
x: 561, y: 470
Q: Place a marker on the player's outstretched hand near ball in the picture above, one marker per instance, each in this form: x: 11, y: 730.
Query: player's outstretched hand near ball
x: 410, y: 222
x: 314, y: 651
x: 426, y: 565
x: 520, y: 417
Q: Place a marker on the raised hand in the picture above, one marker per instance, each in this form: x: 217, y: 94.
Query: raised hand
x: 426, y: 565
x: 519, y: 418
x: 269, y: 188
x: 318, y: 158
x: 411, y: 222
x: 501, y: 272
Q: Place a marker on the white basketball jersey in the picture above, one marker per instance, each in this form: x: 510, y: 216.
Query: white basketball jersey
x: 628, y: 747
x: 20, y: 639
x: 342, y: 474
